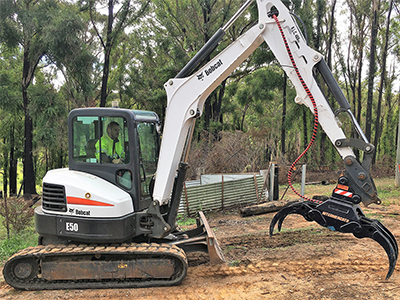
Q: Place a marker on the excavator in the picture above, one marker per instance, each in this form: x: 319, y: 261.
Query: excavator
x: 109, y: 219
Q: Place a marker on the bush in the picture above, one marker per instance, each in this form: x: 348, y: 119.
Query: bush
x: 18, y: 214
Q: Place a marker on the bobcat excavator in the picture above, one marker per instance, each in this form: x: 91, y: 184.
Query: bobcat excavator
x: 109, y: 220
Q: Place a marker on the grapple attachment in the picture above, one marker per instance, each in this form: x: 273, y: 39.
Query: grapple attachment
x: 344, y: 216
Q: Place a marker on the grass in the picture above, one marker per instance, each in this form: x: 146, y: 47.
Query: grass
x: 185, y: 221
x: 17, y: 242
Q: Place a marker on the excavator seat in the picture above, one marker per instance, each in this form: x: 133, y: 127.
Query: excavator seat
x: 90, y: 149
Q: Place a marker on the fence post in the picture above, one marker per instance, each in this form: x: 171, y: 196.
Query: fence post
x: 222, y: 193
x: 256, y: 186
x: 303, y: 179
x: 271, y: 182
x: 187, y: 200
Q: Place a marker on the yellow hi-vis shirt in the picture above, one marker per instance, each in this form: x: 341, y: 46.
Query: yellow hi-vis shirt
x: 113, y: 149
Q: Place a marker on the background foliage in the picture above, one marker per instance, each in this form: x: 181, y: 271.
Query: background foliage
x: 89, y: 53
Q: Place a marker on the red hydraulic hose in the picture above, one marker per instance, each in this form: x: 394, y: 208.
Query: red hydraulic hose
x: 309, y: 94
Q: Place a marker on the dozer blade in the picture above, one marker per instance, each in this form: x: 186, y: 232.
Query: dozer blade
x: 201, y: 239
x: 344, y: 217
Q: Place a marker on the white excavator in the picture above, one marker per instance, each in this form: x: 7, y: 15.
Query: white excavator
x: 109, y: 220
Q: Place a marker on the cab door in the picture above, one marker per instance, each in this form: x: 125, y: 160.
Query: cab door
x: 149, y: 144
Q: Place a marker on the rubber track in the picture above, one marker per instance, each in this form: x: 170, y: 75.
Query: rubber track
x: 51, y: 251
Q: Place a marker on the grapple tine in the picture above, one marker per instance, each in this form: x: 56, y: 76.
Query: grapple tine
x: 367, y: 228
x: 278, y: 218
x: 391, y: 238
x: 299, y: 208
x: 389, y: 249
x: 280, y: 222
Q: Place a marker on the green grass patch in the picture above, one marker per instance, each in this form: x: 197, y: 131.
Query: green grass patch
x: 185, y: 221
x: 234, y: 263
x: 17, y: 242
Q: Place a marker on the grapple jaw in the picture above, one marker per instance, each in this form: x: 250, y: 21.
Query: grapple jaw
x: 343, y: 216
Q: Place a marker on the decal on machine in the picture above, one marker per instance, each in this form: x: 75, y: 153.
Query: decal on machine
x: 295, y: 33
x: 79, y: 212
x: 210, y: 70
x: 69, y: 226
x: 335, y: 217
x: 81, y: 201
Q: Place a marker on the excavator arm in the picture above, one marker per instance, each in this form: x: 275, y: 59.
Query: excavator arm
x: 189, y: 90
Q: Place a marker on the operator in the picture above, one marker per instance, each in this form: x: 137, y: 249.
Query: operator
x: 112, y: 150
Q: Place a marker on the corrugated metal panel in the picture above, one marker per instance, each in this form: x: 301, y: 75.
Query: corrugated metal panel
x: 217, y: 196
x: 214, y: 178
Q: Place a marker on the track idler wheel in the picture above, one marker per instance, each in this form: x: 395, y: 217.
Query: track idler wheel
x: 25, y: 269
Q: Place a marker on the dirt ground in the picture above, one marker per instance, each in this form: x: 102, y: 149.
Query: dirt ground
x: 304, y: 261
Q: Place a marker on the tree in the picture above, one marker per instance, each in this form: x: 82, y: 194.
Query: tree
x: 128, y: 12
x: 383, y: 78
x: 372, y: 66
x: 11, y: 116
x: 358, y: 27
x: 42, y: 29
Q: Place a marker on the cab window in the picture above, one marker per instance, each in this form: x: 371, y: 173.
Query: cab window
x: 149, y: 148
x: 100, y: 140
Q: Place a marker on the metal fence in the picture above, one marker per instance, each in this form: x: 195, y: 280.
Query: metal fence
x: 221, y: 195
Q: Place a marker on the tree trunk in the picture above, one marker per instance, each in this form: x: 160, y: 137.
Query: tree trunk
x: 5, y: 173
x: 30, y: 62
x: 207, y: 113
x: 29, y: 172
x: 107, y: 54
x: 331, y: 32
x: 372, y: 69
x: 320, y: 15
x: 217, y: 106
x: 382, y: 83
x: 264, y: 208
x: 12, y: 165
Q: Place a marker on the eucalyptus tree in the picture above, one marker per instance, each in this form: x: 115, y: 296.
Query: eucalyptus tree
x: 11, y: 117
x: 42, y: 29
x: 383, y: 75
x: 357, y: 35
x: 189, y: 25
x: 372, y: 65
x: 119, y: 16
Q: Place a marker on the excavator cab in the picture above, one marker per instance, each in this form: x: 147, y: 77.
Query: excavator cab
x: 118, y: 145
x: 104, y: 195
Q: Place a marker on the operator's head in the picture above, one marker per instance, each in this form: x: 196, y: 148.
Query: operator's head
x: 113, y: 130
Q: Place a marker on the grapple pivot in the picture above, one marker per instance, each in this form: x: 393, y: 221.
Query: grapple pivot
x: 342, y: 213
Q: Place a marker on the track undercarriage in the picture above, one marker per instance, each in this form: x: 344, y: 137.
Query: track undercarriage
x: 134, y: 265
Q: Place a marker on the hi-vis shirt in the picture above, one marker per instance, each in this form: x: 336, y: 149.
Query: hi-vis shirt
x: 112, y: 148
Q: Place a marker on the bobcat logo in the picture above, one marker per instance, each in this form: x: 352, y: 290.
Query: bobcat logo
x: 200, y: 76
